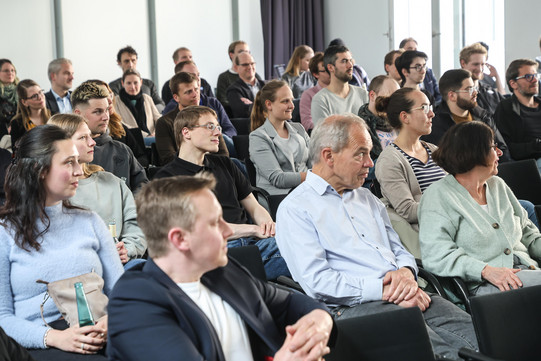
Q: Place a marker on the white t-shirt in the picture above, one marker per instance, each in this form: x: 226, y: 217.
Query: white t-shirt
x: 229, y: 327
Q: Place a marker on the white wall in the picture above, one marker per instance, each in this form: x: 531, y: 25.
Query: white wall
x: 522, y: 29
x: 361, y: 25
x: 95, y: 30
x: 27, y: 39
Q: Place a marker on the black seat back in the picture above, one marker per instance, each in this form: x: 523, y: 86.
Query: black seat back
x: 507, y: 323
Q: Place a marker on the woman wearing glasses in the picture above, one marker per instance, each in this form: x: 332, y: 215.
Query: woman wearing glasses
x: 31, y: 109
x: 471, y: 224
x: 278, y: 148
x: 405, y: 168
x: 8, y: 94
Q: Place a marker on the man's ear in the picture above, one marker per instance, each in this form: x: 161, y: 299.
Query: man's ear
x: 177, y: 238
x: 186, y: 133
x: 327, y: 156
x: 77, y: 111
x: 462, y: 63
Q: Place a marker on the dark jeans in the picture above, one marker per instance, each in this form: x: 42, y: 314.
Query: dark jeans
x: 54, y: 354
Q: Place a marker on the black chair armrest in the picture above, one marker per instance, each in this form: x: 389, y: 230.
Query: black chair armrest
x: 463, y: 291
x: 432, y: 281
x: 472, y: 355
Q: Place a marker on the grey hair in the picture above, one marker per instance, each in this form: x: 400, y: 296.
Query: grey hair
x: 56, y: 65
x: 333, y: 133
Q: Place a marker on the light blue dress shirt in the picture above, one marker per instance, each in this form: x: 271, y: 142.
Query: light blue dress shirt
x: 64, y: 104
x: 338, y: 248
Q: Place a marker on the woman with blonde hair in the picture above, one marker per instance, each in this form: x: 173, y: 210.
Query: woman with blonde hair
x: 297, y: 74
x: 278, y: 148
x: 8, y: 94
x: 104, y: 193
x: 31, y: 109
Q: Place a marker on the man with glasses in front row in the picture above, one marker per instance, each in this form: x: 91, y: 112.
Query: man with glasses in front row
x: 197, y: 133
x: 519, y: 116
x: 459, y: 104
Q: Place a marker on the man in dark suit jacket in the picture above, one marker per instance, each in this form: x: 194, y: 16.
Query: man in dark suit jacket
x: 190, y: 302
x: 58, y: 99
x: 241, y: 94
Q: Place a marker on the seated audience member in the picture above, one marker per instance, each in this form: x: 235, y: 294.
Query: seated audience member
x: 119, y: 131
x: 190, y: 281
x: 297, y: 76
x: 8, y: 94
x: 359, y: 77
x: 197, y: 132
x: 186, y: 93
x: 278, y: 148
x: 473, y: 58
x: 405, y: 169
x: 460, y: 105
x: 339, y: 96
x: 380, y: 130
x: 31, y: 109
x: 241, y: 94
x: 493, y: 78
x: 104, y: 193
x: 323, y: 79
x: 90, y: 101
x: 230, y: 76
x: 188, y: 66
x: 389, y: 64
x: 331, y: 228
x: 5, y: 161
x: 471, y: 224
x: 429, y: 82
x: 518, y: 116
x: 180, y: 55
x: 44, y: 237
x: 136, y: 109
x: 126, y: 58
x: 60, y: 73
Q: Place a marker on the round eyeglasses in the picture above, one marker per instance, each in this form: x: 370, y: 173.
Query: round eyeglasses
x: 425, y: 108
x: 209, y: 126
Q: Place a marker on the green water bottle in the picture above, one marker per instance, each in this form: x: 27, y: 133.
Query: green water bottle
x: 85, y: 314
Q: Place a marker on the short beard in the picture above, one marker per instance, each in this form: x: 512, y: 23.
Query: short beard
x: 466, y: 104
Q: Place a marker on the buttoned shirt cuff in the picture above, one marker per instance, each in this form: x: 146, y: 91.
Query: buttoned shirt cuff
x: 372, y: 290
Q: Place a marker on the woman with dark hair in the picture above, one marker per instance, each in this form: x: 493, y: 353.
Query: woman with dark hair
x: 278, y: 148
x: 136, y: 109
x: 405, y: 168
x: 8, y: 94
x: 31, y: 109
x: 104, y: 193
x: 43, y: 237
x: 471, y: 224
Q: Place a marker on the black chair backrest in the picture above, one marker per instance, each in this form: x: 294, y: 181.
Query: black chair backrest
x: 507, y: 323
x: 523, y: 178
x: 250, y: 169
x: 274, y: 201
x: 296, y: 116
x: 242, y: 144
x: 249, y: 257
x: 394, y: 335
x: 279, y: 70
x: 242, y: 125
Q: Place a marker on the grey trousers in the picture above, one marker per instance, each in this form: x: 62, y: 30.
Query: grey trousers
x: 449, y: 328
x: 528, y: 278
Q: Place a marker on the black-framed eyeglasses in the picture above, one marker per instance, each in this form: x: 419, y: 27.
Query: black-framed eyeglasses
x: 470, y: 90
x: 418, y: 67
x: 36, y: 96
x: 528, y: 77
x: 209, y: 126
x: 426, y: 108
x: 247, y: 64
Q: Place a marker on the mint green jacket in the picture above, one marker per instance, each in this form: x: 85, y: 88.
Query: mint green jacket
x: 459, y: 238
